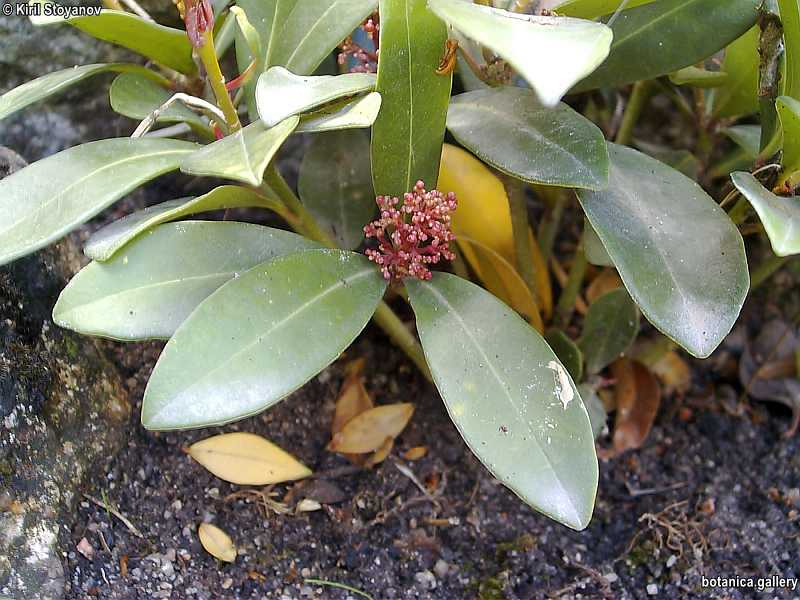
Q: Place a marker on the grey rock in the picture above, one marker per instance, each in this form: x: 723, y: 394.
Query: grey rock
x: 62, y: 409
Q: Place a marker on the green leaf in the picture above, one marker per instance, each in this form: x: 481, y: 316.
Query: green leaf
x: 593, y: 248
x: 510, y: 130
x: 297, y: 34
x: 677, y: 252
x: 595, y: 408
x: 242, y: 156
x: 664, y: 36
x: 53, y: 83
x: 699, y: 78
x: 739, y: 95
x: 780, y: 215
x: 747, y: 137
x: 48, y: 199
x: 511, y: 400
x: 281, y: 94
x: 567, y: 352
x: 790, y: 17
x: 247, y: 346
x: 165, y: 45
x: 609, y: 329
x: 591, y: 9
x: 335, y: 185
x: 136, y: 97
x: 551, y: 53
x: 789, y: 114
x: 408, y: 134
x: 106, y: 242
x: 150, y: 288
x: 355, y: 114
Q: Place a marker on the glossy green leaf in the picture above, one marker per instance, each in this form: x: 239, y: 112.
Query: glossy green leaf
x: 609, y: 329
x: 136, y: 97
x: 680, y: 160
x: 103, y: 244
x: 281, y: 94
x: 595, y: 408
x: 510, y: 130
x: 593, y: 248
x: 356, y: 114
x: 780, y: 215
x: 739, y: 95
x: 48, y: 199
x: 147, y: 290
x: 699, y: 78
x: 790, y: 17
x: 297, y: 34
x: 789, y: 114
x: 591, y: 9
x: 551, y: 53
x: 408, y: 134
x: 678, y: 253
x: 747, y: 137
x: 165, y: 45
x: 335, y: 185
x: 247, y: 346
x: 664, y: 36
x: 244, y: 155
x: 512, y: 401
x: 53, y: 83
x: 567, y: 352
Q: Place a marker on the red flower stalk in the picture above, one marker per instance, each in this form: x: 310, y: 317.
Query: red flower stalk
x: 413, y: 235
x: 366, y: 61
x: 198, y: 17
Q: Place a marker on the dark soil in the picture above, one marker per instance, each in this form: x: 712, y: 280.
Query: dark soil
x: 710, y: 494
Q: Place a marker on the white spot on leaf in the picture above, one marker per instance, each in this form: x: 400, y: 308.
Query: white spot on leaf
x: 563, y: 387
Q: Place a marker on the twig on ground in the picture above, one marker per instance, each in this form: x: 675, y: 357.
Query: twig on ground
x: 131, y: 527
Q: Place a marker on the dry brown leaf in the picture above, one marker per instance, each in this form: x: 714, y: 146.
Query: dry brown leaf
x: 415, y: 453
x: 353, y: 400
x: 381, y: 453
x: 638, y: 397
x: 368, y: 431
x: 216, y: 542
x: 673, y: 372
x: 85, y: 548
x: 247, y: 459
x: 608, y: 280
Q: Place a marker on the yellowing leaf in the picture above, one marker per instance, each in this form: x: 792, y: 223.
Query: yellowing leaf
x: 247, y: 459
x: 484, y: 217
x: 503, y: 280
x: 673, y: 372
x: 216, y: 542
x: 368, y: 431
x: 381, y: 453
x: 353, y: 400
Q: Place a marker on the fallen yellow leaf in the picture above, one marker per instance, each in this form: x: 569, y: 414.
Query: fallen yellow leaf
x: 247, y: 459
x: 368, y: 431
x: 381, y: 454
x: 415, y: 453
x: 673, y: 372
x: 353, y: 400
x: 483, y: 216
x: 216, y: 542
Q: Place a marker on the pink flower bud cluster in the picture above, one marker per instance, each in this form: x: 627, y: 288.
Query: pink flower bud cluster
x: 366, y: 61
x: 413, y: 235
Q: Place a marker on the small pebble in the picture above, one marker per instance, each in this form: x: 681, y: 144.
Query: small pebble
x: 441, y: 568
x: 426, y: 579
x: 227, y: 583
x: 652, y: 589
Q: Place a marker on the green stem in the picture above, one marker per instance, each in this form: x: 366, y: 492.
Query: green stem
x: 766, y: 270
x: 566, y: 302
x: 208, y: 56
x: 739, y: 211
x: 304, y: 223
x: 519, y: 225
x: 636, y: 103
x: 548, y: 229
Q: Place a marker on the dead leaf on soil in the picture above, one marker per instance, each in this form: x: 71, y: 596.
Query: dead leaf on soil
x: 368, y: 431
x: 247, y: 459
x: 415, y: 453
x: 216, y: 542
x: 673, y: 372
x: 607, y: 281
x: 353, y: 400
x: 381, y: 453
x: 638, y: 397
